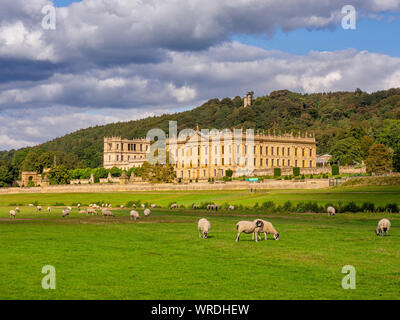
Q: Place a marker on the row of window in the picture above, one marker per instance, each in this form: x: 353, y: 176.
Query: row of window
x: 121, y: 159
x: 131, y: 147
x: 282, y: 151
x: 272, y: 163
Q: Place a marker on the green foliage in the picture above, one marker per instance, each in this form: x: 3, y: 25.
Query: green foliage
x: 379, y: 159
x: 277, y: 172
x: 229, y: 173
x: 296, y: 171
x: 396, y: 159
x: 59, y: 175
x: 157, y: 173
x: 335, y: 170
x: 347, y: 151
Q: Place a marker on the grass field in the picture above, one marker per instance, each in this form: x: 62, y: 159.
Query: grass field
x: 162, y: 257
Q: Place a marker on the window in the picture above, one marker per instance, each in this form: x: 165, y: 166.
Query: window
x: 204, y: 173
x: 261, y: 150
x: 283, y: 162
x: 266, y: 151
x: 261, y: 162
x: 302, y: 153
x: 141, y: 147
x: 117, y: 157
x: 122, y: 158
x: 310, y: 152
x: 288, y: 151
x: 277, y: 162
x: 255, y: 161
x: 283, y: 151
x: 266, y: 162
x: 295, y: 152
x: 303, y: 163
x: 134, y: 147
x: 223, y: 161
x: 122, y: 147
x: 272, y: 151
x: 310, y: 164
x: 272, y: 162
x: 295, y: 163
x: 223, y: 149
x: 117, y: 146
x: 288, y: 163
x: 215, y: 172
x: 277, y: 151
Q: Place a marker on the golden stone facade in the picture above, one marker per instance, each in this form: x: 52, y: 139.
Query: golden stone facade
x: 203, y: 156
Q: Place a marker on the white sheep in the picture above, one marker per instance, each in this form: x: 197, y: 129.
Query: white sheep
x: 82, y: 212
x: 267, y: 228
x: 12, y: 214
x: 383, y: 227
x: 48, y: 209
x: 107, y: 213
x: 69, y: 209
x: 134, y: 206
x: 92, y: 211
x: 79, y: 205
x: 65, y: 213
x: 39, y: 208
x: 147, y: 212
x: 195, y: 206
x: 134, y: 215
x: 110, y: 206
x: 122, y: 206
x: 248, y: 227
x: 231, y: 207
x: 153, y: 206
x: 31, y: 205
x: 143, y: 206
x: 331, y: 211
x: 204, y: 227
x: 17, y: 209
x: 174, y: 206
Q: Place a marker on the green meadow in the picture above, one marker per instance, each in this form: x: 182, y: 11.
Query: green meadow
x: 162, y: 257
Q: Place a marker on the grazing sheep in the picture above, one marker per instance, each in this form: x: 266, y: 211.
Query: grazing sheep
x: 110, y: 206
x: 103, y: 205
x: 31, y: 205
x: 383, y: 227
x: 147, y: 212
x: 92, y: 211
x: 82, y: 212
x: 134, y: 215
x: 134, y: 206
x: 153, y: 206
x: 17, y: 209
x: 143, y: 206
x: 79, y: 205
x: 122, y: 206
x: 69, y: 209
x: 231, y: 207
x: 12, y: 214
x: 39, y: 208
x: 107, y: 213
x: 65, y: 213
x: 212, y: 207
x: 204, y: 227
x: 267, y: 228
x: 248, y: 227
x: 48, y: 209
x: 331, y: 211
x: 195, y: 206
x: 174, y: 206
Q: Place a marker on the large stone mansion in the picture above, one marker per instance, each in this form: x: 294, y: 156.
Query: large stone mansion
x: 203, y: 157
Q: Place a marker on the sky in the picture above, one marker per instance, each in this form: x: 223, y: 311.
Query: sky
x: 118, y: 60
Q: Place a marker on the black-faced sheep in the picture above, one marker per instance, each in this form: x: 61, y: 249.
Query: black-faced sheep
x: 383, y: 227
x: 174, y: 206
x: 248, y: 227
x: 195, y: 206
x: 39, y: 208
x: 65, y: 213
x: 331, y: 211
x: 134, y: 215
x: 17, y: 209
x: 267, y: 228
x: 204, y: 227
x: 48, y: 209
x: 153, y: 206
x: 231, y: 207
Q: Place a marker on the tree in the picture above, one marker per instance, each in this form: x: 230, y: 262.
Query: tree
x: 59, y: 175
x: 365, y: 144
x: 347, y: 151
x: 6, y: 175
x: 390, y: 134
x: 396, y: 160
x: 31, y: 162
x: 379, y: 159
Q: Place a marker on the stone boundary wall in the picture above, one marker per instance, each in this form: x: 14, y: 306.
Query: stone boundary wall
x: 235, y: 185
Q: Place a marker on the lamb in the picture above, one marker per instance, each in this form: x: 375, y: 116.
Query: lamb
x: 107, y: 213
x: 17, y: 209
x: 65, y: 213
x: 48, y: 209
x: 12, y: 214
x: 331, y: 211
x: 195, y: 206
x: 39, y: 208
x: 383, y: 227
x: 143, y: 206
x: 153, y: 206
x: 267, y: 228
x: 147, y: 212
x: 134, y: 215
x: 231, y: 207
x: 69, y: 209
x: 174, y: 206
x: 248, y: 227
x: 204, y: 228
x: 122, y: 206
